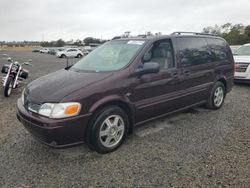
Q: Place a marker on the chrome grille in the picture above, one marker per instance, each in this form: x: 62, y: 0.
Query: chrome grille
x: 241, y: 67
x: 25, y: 99
x: 31, y: 106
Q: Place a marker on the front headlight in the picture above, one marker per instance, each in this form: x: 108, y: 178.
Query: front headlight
x: 60, y: 110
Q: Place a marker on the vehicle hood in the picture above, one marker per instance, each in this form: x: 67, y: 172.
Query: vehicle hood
x: 55, y: 86
x: 241, y: 59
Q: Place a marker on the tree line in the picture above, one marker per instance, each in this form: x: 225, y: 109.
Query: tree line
x: 234, y: 34
x: 85, y: 42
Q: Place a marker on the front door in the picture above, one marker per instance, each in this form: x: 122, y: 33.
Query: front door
x: 154, y: 94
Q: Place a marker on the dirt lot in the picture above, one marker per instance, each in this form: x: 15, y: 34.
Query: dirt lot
x: 199, y: 148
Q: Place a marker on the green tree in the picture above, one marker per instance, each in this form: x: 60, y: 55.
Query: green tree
x: 236, y: 34
x: 247, y: 31
x: 60, y: 43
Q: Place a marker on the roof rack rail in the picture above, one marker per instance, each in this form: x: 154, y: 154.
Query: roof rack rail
x: 193, y: 33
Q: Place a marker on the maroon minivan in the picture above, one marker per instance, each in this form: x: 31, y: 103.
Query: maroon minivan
x: 124, y: 83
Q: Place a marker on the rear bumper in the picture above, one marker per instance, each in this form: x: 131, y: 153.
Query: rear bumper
x: 52, y: 132
x: 229, y: 83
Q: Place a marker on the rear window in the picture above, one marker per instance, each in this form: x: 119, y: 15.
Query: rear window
x: 220, y: 51
x: 193, y: 50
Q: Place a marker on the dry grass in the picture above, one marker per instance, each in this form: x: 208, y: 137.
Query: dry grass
x: 18, y: 49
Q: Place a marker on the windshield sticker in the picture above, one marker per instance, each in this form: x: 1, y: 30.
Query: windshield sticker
x: 137, y: 42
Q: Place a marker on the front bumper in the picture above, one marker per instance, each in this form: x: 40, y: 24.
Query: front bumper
x: 53, y: 132
x: 240, y: 80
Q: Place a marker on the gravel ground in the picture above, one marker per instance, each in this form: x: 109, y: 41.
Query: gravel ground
x: 198, y: 148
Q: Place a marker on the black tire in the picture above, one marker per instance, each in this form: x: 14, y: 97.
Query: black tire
x: 211, y: 102
x: 8, y: 87
x: 79, y: 56
x: 104, y: 114
x: 63, y: 56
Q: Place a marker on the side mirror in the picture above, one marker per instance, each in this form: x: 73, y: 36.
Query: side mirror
x: 149, y: 67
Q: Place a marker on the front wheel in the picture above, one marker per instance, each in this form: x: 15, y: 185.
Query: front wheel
x: 217, y: 96
x: 109, y: 129
x: 8, y: 87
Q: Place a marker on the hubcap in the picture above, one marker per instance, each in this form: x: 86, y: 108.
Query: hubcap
x: 111, y: 131
x: 218, y: 96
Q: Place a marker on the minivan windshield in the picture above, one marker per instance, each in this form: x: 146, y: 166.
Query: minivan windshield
x: 243, y: 50
x: 110, y: 56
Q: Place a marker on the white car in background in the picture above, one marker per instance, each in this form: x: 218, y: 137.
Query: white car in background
x: 69, y: 52
x: 234, y: 47
x: 242, y: 64
x: 44, y: 50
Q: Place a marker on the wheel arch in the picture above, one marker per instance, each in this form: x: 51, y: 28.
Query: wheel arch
x: 224, y: 81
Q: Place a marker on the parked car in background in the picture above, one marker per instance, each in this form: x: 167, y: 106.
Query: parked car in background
x: 69, y: 52
x: 242, y: 64
x: 44, y: 50
x: 61, y: 49
x: 234, y: 47
x: 86, y: 52
x: 52, y: 51
x: 125, y: 83
x: 36, y: 50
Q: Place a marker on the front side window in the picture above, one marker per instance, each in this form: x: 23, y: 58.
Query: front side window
x: 111, y: 56
x: 193, y: 51
x: 71, y: 50
x: 161, y: 52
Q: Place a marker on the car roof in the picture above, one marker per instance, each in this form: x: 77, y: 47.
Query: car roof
x: 248, y: 44
x: 155, y: 38
x: 71, y: 48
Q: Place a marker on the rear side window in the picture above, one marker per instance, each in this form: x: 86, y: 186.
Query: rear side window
x: 193, y: 51
x: 219, y: 49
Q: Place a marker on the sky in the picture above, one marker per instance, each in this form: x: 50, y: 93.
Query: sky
x: 77, y: 19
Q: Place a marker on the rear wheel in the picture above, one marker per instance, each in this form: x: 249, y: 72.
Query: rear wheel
x: 8, y: 87
x: 217, y: 96
x: 79, y: 56
x: 109, y: 129
x: 63, y: 56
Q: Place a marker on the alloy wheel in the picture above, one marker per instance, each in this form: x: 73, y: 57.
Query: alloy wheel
x: 218, y: 96
x: 112, y: 131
